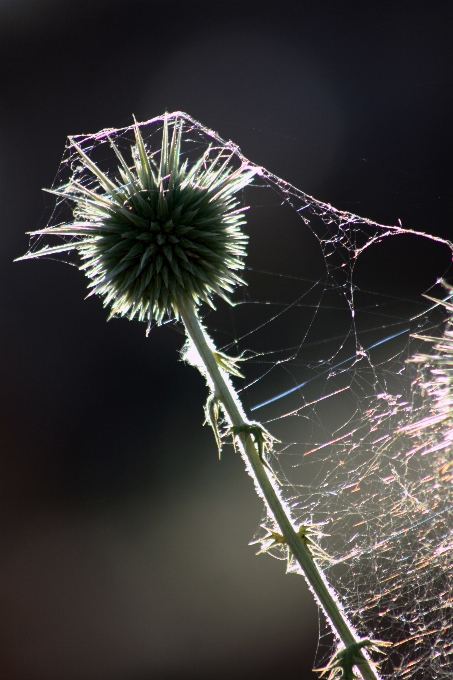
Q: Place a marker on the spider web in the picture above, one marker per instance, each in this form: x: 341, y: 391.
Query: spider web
x: 364, y: 455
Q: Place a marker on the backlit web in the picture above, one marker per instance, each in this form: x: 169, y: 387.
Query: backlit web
x: 365, y: 435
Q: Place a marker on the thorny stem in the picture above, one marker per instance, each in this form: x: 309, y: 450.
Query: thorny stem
x: 226, y: 394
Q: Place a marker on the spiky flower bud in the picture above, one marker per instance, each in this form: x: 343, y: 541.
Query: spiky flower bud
x: 159, y: 232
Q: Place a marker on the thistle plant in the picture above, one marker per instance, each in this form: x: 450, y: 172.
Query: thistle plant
x: 156, y: 241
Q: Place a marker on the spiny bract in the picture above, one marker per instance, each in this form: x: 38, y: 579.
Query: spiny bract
x: 435, y: 381
x: 159, y: 232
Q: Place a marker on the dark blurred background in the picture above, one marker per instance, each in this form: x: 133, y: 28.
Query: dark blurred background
x: 123, y: 539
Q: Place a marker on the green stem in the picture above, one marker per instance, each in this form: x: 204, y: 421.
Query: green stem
x: 266, y: 486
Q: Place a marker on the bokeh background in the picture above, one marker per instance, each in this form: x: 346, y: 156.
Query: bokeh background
x: 124, y: 549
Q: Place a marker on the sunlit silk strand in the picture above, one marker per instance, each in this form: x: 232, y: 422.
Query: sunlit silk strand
x: 331, y: 368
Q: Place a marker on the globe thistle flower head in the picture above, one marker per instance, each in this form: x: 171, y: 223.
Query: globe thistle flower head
x: 161, y: 231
